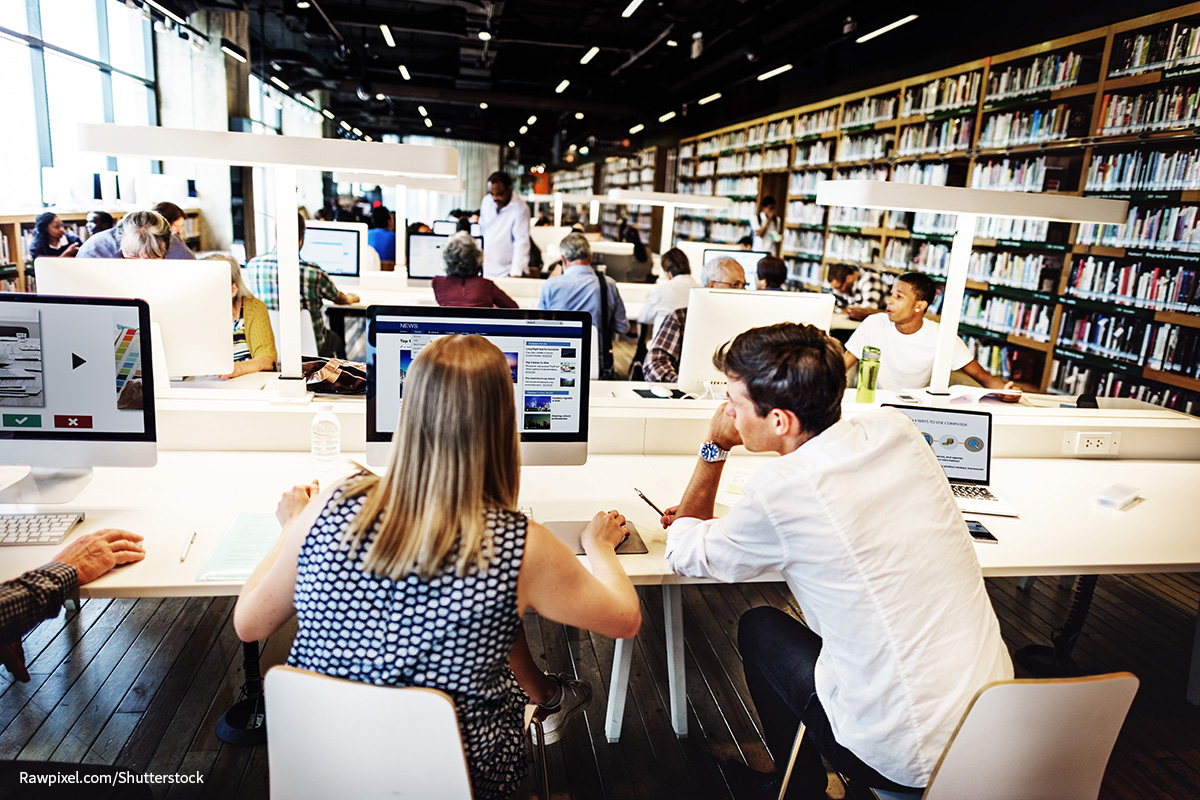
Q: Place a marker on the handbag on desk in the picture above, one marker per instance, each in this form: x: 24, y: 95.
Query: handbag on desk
x: 335, y: 376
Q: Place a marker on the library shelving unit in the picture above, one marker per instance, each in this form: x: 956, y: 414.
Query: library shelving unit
x: 576, y: 181
x: 1111, y: 112
x: 637, y: 173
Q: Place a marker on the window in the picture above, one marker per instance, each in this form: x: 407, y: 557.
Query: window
x: 20, y: 167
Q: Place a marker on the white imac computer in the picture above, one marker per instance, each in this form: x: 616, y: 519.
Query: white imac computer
x: 548, y: 352
x: 425, y: 255
x: 747, y: 258
x: 76, y: 391
x: 339, y: 248
x: 449, y: 227
x: 189, y: 304
x: 717, y: 315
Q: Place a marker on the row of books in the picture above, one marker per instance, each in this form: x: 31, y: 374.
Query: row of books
x: 1042, y: 74
x: 1076, y: 377
x: 1010, y: 174
x: 818, y: 152
x: 801, y: 242
x: 1006, y: 361
x: 1174, y: 46
x: 932, y: 258
x: 1032, y: 271
x: 869, y: 110
x: 779, y: 131
x: 850, y: 249
x: 1006, y: 315
x: 774, y: 158
x: 1026, y: 126
x: 1118, y: 337
x: 1155, y: 227
x: 942, y: 94
x: 737, y: 187
x: 936, y: 137
x: 855, y: 217
x: 931, y: 174
x: 1175, y: 106
x: 6, y: 256
x: 809, y: 273
x: 730, y: 140
x: 805, y: 183
x: 756, y: 134
x: 1142, y: 170
x: 803, y: 213
x: 816, y: 122
x: 879, y: 173
x: 1155, y: 285
x: 864, y: 147
x: 700, y: 230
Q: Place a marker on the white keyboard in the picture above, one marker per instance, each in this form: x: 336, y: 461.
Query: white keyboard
x: 36, y: 528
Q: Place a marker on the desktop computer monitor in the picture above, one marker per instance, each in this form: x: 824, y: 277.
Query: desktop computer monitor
x: 189, y: 303
x: 449, y: 227
x: 339, y: 248
x: 425, y: 255
x: 76, y: 391
x: 695, y: 252
x: 714, y: 316
x: 747, y: 258
x: 548, y: 351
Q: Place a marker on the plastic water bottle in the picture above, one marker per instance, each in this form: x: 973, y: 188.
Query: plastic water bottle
x: 326, y: 442
x: 868, y: 374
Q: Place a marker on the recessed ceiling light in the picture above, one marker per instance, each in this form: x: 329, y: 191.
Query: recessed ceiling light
x: 524, y: 129
x: 357, y: 132
x: 512, y: 144
x: 303, y: 4
x: 328, y: 114
x: 772, y: 73
x: 387, y: 35
x: 637, y: 128
x: 368, y: 138
x: 404, y: 73
x: 485, y: 33
x: 233, y: 51
x: 532, y: 119
x: 667, y: 116
x: 344, y: 124
x: 632, y: 7
x: 706, y: 100
x: 583, y: 151
x: 578, y: 115
x: 592, y: 52
x: 562, y: 86
x: 868, y: 36
x: 421, y: 110
x: 428, y: 122
x: 483, y: 106
x: 672, y: 43
x: 380, y: 96
x: 280, y: 83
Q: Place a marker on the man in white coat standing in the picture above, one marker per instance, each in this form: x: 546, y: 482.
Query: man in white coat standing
x: 505, y: 221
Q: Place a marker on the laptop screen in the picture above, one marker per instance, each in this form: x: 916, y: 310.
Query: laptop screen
x: 961, y: 440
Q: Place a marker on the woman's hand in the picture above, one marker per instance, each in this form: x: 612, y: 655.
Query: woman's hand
x: 607, y: 529
x: 295, y: 500
x: 70, y: 251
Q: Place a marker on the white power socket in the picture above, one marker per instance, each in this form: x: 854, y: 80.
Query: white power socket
x: 1091, y: 443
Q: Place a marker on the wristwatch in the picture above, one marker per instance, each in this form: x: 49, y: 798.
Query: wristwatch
x: 712, y: 452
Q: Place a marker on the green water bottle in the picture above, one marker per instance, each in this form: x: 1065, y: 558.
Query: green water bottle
x: 868, y: 374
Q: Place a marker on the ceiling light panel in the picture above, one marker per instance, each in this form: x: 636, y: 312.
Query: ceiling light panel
x: 387, y: 35
x: 589, y: 55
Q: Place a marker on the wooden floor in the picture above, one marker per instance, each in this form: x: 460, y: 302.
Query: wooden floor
x: 141, y: 683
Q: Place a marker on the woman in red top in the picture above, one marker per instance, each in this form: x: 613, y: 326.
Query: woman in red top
x: 463, y: 285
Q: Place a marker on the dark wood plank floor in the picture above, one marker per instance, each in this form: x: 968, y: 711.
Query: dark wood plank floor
x: 141, y: 683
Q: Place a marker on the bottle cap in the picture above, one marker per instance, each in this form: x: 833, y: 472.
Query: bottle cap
x: 870, y: 352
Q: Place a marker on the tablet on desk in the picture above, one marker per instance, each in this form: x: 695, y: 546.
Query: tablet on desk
x: 569, y: 532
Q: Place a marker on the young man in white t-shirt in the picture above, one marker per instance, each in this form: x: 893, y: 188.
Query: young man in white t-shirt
x: 907, y: 341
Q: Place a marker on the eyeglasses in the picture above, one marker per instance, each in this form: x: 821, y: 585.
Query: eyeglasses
x: 729, y: 284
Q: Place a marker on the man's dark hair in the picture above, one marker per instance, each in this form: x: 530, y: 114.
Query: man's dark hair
x: 793, y: 367
x: 839, y: 272
x: 675, y: 262
x: 767, y: 201
x: 772, y: 270
x: 922, y: 286
x: 502, y: 178
x: 380, y: 217
x: 300, y: 225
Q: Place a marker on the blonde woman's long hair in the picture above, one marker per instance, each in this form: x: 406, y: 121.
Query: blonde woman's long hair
x: 454, y: 455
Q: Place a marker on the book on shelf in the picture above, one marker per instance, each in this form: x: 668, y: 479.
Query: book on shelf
x: 956, y: 91
x: 931, y: 174
x: 1007, y: 315
x: 1171, y: 46
x: 925, y: 138
x: 1075, y: 377
x: 869, y: 110
x: 1156, y: 227
x: 1041, y: 74
x: 1144, y: 171
x: 1158, y: 109
x: 1030, y: 126
x: 1151, y: 285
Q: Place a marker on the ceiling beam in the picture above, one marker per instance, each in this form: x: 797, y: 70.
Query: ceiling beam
x: 406, y: 91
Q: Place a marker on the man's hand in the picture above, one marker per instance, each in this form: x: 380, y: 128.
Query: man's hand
x: 722, y: 430
x: 351, y: 298
x: 239, y: 368
x: 294, y: 500
x: 669, y: 516
x: 607, y: 529
x: 1010, y: 398
x: 97, y: 553
x: 860, y: 312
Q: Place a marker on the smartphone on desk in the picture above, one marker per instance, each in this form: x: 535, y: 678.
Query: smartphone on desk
x: 980, y: 533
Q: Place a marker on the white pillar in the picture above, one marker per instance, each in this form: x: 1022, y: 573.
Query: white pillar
x: 667, y: 239
x: 287, y: 237
x: 401, y: 225
x: 952, y: 299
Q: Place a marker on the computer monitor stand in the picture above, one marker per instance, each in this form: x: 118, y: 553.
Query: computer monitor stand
x: 48, y: 485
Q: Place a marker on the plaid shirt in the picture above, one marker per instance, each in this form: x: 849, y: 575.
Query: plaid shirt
x: 33, y: 597
x: 868, y: 292
x: 662, y: 359
x: 315, y: 286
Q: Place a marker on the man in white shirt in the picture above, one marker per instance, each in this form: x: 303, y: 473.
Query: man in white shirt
x: 859, y: 518
x: 505, y: 222
x: 907, y: 341
x: 668, y: 295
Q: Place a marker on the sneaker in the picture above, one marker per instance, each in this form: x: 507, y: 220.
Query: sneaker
x: 576, y: 695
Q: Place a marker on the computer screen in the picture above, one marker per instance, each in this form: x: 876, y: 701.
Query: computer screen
x: 449, y: 227
x: 189, y: 303
x: 76, y: 382
x: 961, y: 440
x: 714, y: 316
x: 335, y: 247
x: 425, y: 254
x: 548, y: 352
x: 747, y: 258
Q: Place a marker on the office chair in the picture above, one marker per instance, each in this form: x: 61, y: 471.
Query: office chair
x: 1027, y: 740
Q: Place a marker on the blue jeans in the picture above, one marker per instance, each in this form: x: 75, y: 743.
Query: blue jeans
x: 779, y: 657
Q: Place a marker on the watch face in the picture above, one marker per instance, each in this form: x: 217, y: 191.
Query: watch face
x: 709, y: 451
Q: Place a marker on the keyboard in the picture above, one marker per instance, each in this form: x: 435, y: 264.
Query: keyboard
x: 969, y: 492
x: 18, y: 529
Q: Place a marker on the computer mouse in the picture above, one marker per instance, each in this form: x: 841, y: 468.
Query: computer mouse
x: 661, y: 391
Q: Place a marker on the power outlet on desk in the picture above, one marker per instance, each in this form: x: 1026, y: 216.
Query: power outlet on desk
x: 1091, y: 443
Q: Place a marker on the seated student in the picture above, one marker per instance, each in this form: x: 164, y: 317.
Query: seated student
x: 418, y: 227
x: 463, y: 284
x: 99, y: 221
x: 51, y: 239
x: 899, y: 633
x: 253, y: 339
x: 145, y: 234
x: 858, y: 293
x: 107, y: 244
x: 175, y: 217
x: 382, y: 235
x: 662, y: 358
x: 671, y: 294
x: 907, y: 341
x: 438, y: 535
x: 770, y: 273
x: 578, y: 289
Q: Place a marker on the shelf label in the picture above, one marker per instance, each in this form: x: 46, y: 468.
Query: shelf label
x: 1155, y: 255
x: 866, y: 126
x: 1180, y: 72
x: 1008, y: 102
x: 950, y: 112
x: 1166, y: 197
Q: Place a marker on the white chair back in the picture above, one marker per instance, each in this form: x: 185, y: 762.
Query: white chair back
x: 329, y: 737
x: 308, y: 337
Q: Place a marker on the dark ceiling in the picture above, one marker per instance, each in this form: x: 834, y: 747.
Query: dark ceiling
x: 645, y: 66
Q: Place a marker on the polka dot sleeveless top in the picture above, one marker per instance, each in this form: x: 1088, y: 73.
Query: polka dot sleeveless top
x: 447, y: 633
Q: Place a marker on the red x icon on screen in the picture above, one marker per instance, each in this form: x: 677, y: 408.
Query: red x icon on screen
x: 72, y: 421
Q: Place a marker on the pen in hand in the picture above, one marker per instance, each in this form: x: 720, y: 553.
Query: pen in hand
x: 187, y: 548
x: 648, y: 502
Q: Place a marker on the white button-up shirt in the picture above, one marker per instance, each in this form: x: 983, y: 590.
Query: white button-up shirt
x: 505, y: 237
x: 861, y: 522
x: 665, y: 297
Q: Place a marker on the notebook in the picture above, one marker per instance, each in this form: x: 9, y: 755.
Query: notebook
x: 962, y: 442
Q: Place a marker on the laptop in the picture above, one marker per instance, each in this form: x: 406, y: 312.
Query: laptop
x: 962, y: 442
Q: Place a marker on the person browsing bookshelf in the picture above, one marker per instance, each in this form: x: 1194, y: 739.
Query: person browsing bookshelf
x: 907, y: 341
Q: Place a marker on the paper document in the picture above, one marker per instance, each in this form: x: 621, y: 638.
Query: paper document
x: 248, y: 539
x: 975, y: 394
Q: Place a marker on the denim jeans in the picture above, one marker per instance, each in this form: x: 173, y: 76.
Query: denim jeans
x: 779, y: 657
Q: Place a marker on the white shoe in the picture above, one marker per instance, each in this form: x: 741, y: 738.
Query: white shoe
x: 576, y: 695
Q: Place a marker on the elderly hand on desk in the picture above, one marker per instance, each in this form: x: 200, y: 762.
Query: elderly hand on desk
x: 97, y: 553
x: 295, y: 500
